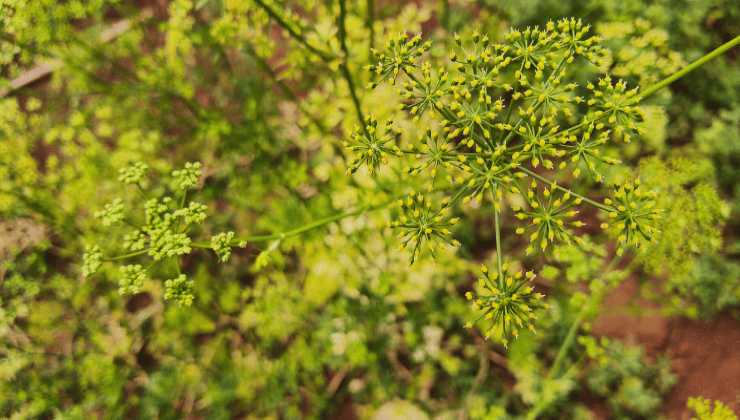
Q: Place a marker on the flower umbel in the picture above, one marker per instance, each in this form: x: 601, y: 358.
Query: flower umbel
x: 112, y: 213
x: 507, y: 301
x: 222, y: 243
x: 634, y: 215
x: 550, y: 217
x: 400, y: 54
x: 421, y: 223
x: 372, y: 146
x: 134, y: 173
x: 163, y: 233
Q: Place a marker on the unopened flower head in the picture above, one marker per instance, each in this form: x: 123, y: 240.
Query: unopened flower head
x: 179, y: 290
x: 187, y: 177
x: 133, y: 173
x: 132, y: 279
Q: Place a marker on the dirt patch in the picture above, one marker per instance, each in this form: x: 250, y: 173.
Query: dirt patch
x: 704, y: 355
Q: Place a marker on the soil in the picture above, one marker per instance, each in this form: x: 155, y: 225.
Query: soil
x: 704, y: 355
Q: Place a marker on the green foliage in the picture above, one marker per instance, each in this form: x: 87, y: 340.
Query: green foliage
x: 687, y: 245
x: 631, y: 385
x: 705, y: 409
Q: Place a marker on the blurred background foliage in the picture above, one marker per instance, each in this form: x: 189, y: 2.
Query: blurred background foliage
x: 333, y: 323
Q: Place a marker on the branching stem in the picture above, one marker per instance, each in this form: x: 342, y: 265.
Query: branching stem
x: 344, y: 67
x: 323, y: 55
x: 287, y: 91
x: 573, y: 193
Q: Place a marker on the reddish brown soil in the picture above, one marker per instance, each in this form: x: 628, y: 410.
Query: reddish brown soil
x: 705, y: 355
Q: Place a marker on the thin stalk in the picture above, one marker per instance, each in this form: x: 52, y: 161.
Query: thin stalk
x: 370, y: 24
x: 344, y: 68
x: 284, y: 88
x: 286, y: 234
x: 573, y: 193
x: 568, y: 342
x: 129, y: 255
x: 445, y: 14
x: 320, y: 222
x: 691, y: 67
x: 316, y: 223
x: 499, y: 258
x: 323, y: 55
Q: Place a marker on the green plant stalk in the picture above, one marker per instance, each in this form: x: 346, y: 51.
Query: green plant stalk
x: 344, y: 67
x: 370, y: 24
x: 445, y: 14
x: 287, y: 91
x: 125, y: 256
x: 497, y: 227
x: 689, y: 68
x: 323, y: 55
x: 316, y: 223
x: 575, y: 194
x: 568, y: 342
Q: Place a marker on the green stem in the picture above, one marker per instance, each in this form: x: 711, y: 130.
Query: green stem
x: 129, y: 255
x: 573, y: 193
x: 499, y: 258
x: 568, y: 342
x: 287, y: 91
x: 688, y: 69
x: 370, y: 24
x: 344, y: 68
x: 326, y: 220
x: 445, y: 14
x: 323, y: 55
x: 316, y: 223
